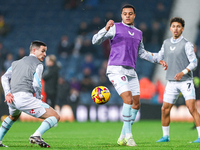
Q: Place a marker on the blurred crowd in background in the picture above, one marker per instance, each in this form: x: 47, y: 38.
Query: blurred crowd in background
x: 67, y: 26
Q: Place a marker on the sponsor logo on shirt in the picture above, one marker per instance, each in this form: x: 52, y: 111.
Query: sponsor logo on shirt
x: 172, y: 48
x: 132, y: 34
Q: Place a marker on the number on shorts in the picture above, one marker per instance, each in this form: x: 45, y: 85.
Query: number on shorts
x: 189, y: 84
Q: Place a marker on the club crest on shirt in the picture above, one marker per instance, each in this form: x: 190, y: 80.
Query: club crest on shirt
x: 132, y: 34
x: 172, y: 48
x: 123, y: 78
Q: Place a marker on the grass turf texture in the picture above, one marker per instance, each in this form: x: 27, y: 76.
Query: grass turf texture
x: 96, y: 135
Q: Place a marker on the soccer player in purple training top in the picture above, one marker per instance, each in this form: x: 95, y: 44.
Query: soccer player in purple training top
x: 20, y: 82
x: 179, y: 54
x: 126, y: 43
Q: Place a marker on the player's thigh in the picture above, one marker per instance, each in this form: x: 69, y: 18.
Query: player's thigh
x: 50, y: 112
x: 29, y: 104
x: 188, y: 90
x: 120, y: 82
x: 134, y: 86
x: 123, y: 83
x: 171, y: 92
x: 13, y: 111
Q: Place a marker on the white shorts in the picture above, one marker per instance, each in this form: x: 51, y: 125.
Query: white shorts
x: 27, y: 103
x: 173, y: 89
x: 123, y: 83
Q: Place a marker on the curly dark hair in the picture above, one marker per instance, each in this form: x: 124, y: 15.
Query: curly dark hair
x: 177, y: 19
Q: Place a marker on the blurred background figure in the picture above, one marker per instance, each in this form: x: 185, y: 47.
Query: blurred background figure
x: 21, y: 53
x: 4, y: 27
x: 75, y: 84
x: 156, y: 33
x: 95, y: 25
x: 102, y: 79
x: 110, y: 16
x: 71, y: 4
x: 77, y: 45
x: 87, y: 47
x: 8, y: 61
x: 50, y: 76
x: 83, y: 28
x: 1, y: 91
x: 145, y: 32
x: 62, y: 92
x: 64, y: 47
x: 87, y: 83
x: 89, y: 63
x: 161, y: 14
x: 3, y: 55
x: 91, y: 4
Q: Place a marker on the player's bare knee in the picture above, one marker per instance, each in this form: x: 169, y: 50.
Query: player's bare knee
x: 192, y: 109
x: 128, y: 100
x: 57, y: 116
x: 165, y: 110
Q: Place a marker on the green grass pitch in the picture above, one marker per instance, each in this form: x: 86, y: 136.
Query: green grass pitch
x: 102, y: 136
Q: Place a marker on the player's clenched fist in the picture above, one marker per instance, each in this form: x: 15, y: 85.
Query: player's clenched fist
x: 109, y: 24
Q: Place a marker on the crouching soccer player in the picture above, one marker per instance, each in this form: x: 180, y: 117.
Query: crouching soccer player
x: 20, y: 82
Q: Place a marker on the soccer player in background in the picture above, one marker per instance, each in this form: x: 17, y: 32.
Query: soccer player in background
x: 179, y: 54
x: 20, y: 82
x: 126, y: 43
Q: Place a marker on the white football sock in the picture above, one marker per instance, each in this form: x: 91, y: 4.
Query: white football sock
x: 122, y: 136
x: 128, y: 135
x: 165, y: 130
x: 198, y: 130
x: 37, y: 134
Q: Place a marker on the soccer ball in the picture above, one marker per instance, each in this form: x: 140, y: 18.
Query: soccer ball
x: 100, y: 95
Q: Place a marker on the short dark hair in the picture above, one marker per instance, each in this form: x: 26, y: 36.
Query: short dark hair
x: 128, y: 6
x: 177, y: 19
x: 36, y: 44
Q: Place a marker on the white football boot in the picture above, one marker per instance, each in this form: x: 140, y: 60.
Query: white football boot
x: 130, y: 141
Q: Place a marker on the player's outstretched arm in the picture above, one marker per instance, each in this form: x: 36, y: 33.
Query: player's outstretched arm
x: 151, y: 57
